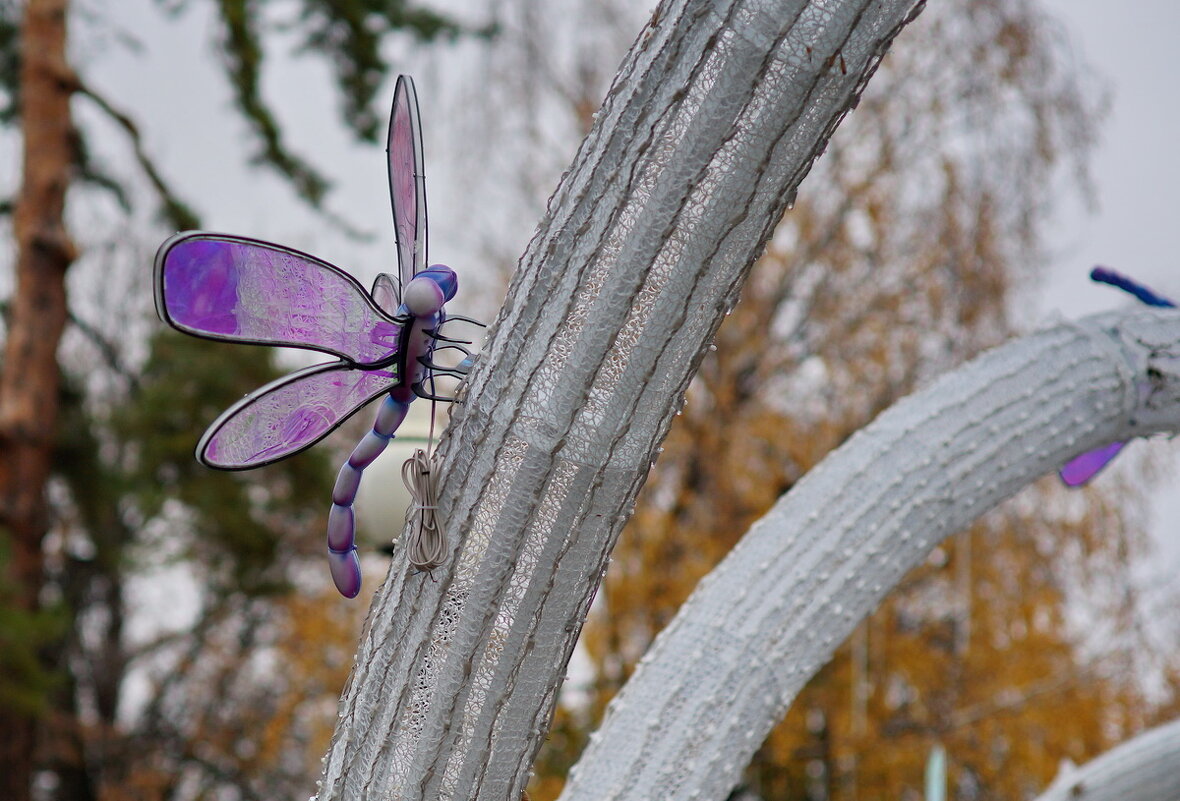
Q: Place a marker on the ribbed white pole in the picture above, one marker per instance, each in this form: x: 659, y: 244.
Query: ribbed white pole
x: 1145, y: 768
x: 716, y: 115
x: 771, y: 614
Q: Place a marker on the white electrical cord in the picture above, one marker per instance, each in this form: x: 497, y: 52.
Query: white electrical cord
x: 427, y: 548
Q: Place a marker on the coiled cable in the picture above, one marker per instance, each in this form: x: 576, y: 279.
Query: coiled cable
x: 427, y: 547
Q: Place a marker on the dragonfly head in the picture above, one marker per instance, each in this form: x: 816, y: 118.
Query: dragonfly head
x: 430, y: 289
x: 445, y: 277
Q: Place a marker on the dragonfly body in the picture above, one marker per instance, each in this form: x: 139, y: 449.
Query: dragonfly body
x: 248, y: 291
x: 422, y: 304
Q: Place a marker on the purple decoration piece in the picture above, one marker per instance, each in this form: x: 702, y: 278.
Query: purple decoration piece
x: 445, y: 277
x: 1105, y: 275
x: 390, y: 415
x: 341, y: 524
x: 247, y: 291
x: 348, y: 482
x: 346, y: 571
x: 368, y: 449
x: 290, y: 414
x: 1082, y: 468
x: 341, y: 518
x: 407, y: 180
x: 243, y: 290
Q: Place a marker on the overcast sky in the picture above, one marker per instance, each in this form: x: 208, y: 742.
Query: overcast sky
x: 1131, y: 46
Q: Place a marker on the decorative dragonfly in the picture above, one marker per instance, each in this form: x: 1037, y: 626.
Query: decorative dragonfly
x: 243, y: 290
x: 1082, y: 468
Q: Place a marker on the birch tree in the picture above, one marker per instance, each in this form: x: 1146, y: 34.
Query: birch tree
x: 1141, y: 769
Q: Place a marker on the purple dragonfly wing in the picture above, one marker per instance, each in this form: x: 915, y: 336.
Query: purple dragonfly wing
x: 244, y: 290
x: 385, y: 293
x: 407, y: 180
x: 1082, y: 468
x: 290, y: 414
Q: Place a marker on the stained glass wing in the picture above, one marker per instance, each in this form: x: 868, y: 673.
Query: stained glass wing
x: 1082, y: 468
x: 290, y: 414
x: 407, y: 180
x: 244, y: 290
x: 385, y: 293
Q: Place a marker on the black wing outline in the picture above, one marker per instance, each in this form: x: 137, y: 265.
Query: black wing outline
x: 407, y: 180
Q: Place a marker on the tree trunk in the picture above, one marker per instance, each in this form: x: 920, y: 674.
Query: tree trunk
x: 771, y: 614
x: 718, y: 112
x: 29, y: 381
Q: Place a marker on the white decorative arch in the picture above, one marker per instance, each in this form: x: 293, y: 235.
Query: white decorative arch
x: 757, y: 627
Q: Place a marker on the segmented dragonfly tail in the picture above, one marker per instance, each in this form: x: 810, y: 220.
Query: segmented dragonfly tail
x: 342, y: 556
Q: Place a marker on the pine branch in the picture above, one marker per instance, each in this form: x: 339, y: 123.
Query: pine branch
x: 243, y: 54
x: 108, y: 350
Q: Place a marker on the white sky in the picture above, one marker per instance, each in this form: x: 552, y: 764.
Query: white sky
x: 1137, y: 167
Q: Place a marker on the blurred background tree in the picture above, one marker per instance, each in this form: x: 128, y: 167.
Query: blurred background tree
x: 203, y: 699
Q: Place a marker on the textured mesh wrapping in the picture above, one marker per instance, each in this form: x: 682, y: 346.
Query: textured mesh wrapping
x: 1141, y: 769
x: 773, y: 612
x: 717, y: 113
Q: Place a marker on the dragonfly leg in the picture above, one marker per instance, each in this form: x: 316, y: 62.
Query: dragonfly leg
x: 459, y: 371
x: 458, y: 318
x: 1107, y: 276
x: 457, y: 347
x: 342, y: 558
x: 1085, y: 466
x: 437, y: 337
x: 421, y: 392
